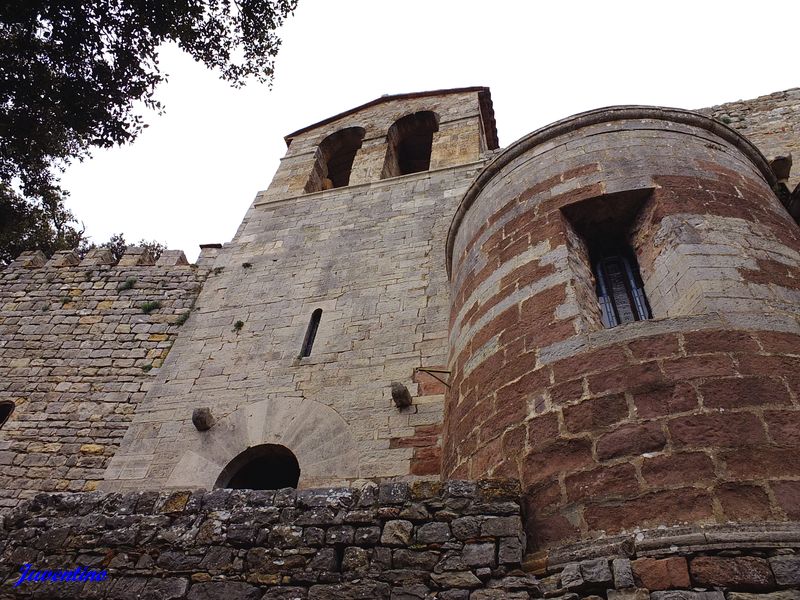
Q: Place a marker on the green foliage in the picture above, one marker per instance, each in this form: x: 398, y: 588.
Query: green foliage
x: 149, y: 306
x: 147, y: 367
x: 182, y: 319
x: 65, y: 299
x: 118, y: 245
x: 40, y: 223
x: 127, y: 284
x: 74, y: 72
x: 237, y: 327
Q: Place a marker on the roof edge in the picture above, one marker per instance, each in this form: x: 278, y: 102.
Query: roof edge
x: 484, y: 98
x: 592, y: 117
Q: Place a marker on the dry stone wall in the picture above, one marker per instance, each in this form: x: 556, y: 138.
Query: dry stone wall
x: 455, y: 540
x: 80, y: 342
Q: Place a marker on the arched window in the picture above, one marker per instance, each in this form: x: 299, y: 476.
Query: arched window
x: 409, y: 143
x: 335, y: 156
x: 263, y: 467
x: 311, y: 333
x: 619, y: 288
x: 6, y: 408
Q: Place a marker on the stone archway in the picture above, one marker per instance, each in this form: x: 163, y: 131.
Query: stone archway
x: 316, y: 434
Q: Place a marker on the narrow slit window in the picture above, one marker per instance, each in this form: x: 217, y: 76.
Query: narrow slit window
x: 619, y: 289
x: 311, y: 333
x: 6, y: 408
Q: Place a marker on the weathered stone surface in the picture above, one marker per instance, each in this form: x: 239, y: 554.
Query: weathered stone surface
x: 433, y: 533
x: 459, y: 579
x: 230, y: 590
x: 479, y: 555
x: 397, y: 533
x: 739, y: 573
x: 630, y: 593
x: 786, y: 569
x: 661, y: 574
x: 596, y: 571
x: 782, y: 595
x: 623, y: 573
x: 571, y: 576
x: 686, y: 595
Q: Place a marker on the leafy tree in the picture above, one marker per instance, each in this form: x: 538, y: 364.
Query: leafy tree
x: 73, y: 71
x: 42, y: 223
x: 118, y: 245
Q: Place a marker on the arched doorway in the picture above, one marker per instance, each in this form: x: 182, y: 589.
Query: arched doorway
x: 262, y: 467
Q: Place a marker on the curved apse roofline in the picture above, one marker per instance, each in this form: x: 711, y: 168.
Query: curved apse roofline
x: 592, y: 117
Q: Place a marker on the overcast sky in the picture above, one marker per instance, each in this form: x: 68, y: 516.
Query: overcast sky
x: 190, y: 177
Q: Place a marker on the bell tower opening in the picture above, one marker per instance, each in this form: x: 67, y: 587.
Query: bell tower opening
x: 262, y: 467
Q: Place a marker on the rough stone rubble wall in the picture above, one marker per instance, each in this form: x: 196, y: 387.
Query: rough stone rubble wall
x: 389, y: 540
x: 771, y: 122
x: 425, y: 541
x: 76, y: 351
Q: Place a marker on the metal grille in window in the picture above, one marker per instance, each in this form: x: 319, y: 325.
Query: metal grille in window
x: 619, y: 289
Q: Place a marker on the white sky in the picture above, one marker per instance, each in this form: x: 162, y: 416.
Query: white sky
x: 190, y: 177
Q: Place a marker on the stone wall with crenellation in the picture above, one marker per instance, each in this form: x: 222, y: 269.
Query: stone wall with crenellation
x: 78, y: 352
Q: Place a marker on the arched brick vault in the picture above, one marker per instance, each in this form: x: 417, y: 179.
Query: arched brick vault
x: 316, y: 434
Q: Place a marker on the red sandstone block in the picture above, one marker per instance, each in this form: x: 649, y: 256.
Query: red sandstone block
x: 667, y: 507
x: 717, y: 430
x: 685, y: 468
x: 484, y: 308
x: 555, y: 332
x: 505, y: 415
x: 702, y: 342
x: 744, y: 391
x: 739, y: 573
x: 742, y: 501
x: 512, y: 249
x: 486, y: 457
x: 513, y: 441
x: 542, y: 430
x: 787, y: 494
x: 560, y: 456
x: 781, y: 365
x: 518, y: 392
x: 779, y: 342
x: 571, y: 197
x: 755, y: 462
x: 631, y: 439
x: 644, y: 375
x: 691, y: 367
x: 604, y: 483
x: 428, y: 385
x: 654, y: 347
x: 668, y: 399
x: 579, y: 365
x: 501, y: 212
x: 564, y: 393
x: 544, y: 497
x: 546, y: 531
x: 427, y: 461
x: 595, y: 413
x: 527, y: 274
x: 664, y: 574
